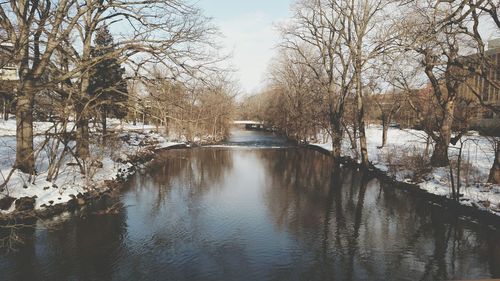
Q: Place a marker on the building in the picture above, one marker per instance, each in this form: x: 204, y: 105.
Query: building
x: 8, y: 70
x: 8, y: 78
x: 488, y: 89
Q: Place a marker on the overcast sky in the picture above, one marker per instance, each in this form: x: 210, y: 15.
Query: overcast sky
x: 249, y: 34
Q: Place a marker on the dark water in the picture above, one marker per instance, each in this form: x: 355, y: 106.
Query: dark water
x: 256, y: 214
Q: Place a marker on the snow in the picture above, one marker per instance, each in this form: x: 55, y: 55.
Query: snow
x: 135, y: 139
x: 247, y: 122
x: 244, y: 147
x: 401, y: 143
x: 110, y: 162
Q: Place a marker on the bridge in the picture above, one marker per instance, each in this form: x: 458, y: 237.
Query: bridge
x: 250, y: 124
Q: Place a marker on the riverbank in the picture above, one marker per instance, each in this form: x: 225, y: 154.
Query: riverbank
x: 213, y: 211
x: 23, y: 196
x: 403, y: 162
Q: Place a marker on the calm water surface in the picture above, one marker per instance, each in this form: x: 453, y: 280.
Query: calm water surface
x: 247, y: 212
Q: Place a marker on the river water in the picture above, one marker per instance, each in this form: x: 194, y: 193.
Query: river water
x: 255, y: 209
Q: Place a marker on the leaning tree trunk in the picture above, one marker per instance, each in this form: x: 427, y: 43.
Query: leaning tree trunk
x: 25, y: 157
x: 439, y: 156
x: 495, y: 169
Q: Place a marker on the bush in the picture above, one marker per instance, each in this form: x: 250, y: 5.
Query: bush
x: 406, y: 162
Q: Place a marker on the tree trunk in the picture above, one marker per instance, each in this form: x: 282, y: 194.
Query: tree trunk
x: 385, y: 128
x: 427, y: 145
x: 336, y: 148
x: 6, y: 108
x: 495, y: 169
x: 82, y: 115
x: 25, y: 158
x: 354, y: 144
x: 352, y: 140
x: 336, y: 128
x: 361, y: 113
x: 362, y: 141
x: 82, y: 132
x: 166, y: 127
x: 104, y: 116
x: 439, y: 156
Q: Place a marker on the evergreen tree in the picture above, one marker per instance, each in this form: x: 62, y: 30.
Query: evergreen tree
x: 107, y: 86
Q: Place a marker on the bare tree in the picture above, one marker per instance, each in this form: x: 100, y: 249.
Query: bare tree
x: 486, y: 69
x: 441, y: 46
x: 298, y: 99
x: 200, y: 112
x: 389, y: 105
x: 173, y: 34
x: 35, y: 28
x: 367, y: 38
x: 315, y: 34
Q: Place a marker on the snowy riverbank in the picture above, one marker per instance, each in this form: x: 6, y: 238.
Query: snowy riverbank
x: 403, y: 158
x: 110, y: 162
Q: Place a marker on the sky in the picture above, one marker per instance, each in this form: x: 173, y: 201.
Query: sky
x: 250, y: 35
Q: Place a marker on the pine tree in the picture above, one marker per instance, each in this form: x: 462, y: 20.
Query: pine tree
x: 107, y: 86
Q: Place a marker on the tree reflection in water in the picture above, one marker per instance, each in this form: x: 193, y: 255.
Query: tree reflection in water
x: 358, y: 228
x: 81, y: 248
x: 258, y: 214
x: 196, y: 170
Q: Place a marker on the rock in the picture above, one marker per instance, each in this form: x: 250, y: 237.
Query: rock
x: 47, y: 187
x: 25, y: 204
x: 80, y: 201
x: 72, y: 205
x: 485, y: 203
x: 6, y: 202
x: 125, y: 137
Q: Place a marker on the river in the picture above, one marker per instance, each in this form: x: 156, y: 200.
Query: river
x: 255, y: 208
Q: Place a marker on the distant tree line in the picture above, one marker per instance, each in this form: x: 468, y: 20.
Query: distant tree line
x: 342, y: 63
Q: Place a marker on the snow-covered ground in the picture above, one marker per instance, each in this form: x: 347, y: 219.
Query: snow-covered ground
x: 113, y: 159
x: 401, y: 155
x: 109, y: 161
